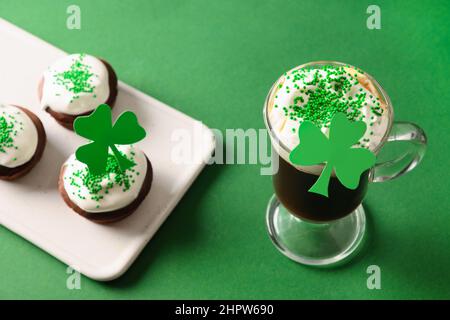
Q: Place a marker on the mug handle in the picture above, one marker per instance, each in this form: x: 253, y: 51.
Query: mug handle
x: 416, y: 139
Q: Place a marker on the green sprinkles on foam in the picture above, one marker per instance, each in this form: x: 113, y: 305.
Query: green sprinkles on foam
x: 327, y: 96
x: 94, y: 183
x: 77, y: 79
x: 9, y: 128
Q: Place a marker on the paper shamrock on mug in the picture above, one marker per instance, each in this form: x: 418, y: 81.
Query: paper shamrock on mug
x: 335, y: 152
x: 98, y: 128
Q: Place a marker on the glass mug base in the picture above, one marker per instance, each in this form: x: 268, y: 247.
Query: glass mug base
x: 315, y: 244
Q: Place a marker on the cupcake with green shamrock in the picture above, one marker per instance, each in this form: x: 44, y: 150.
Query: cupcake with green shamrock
x: 107, y: 179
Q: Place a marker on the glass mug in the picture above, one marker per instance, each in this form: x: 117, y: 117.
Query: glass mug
x: 315, y: 230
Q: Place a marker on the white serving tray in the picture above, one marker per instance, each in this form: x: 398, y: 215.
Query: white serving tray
x: 32, y: 206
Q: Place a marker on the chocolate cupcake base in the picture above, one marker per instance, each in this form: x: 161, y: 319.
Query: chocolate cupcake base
x: 112, y: 216
x: 66, y: 120
x: 17, y: 172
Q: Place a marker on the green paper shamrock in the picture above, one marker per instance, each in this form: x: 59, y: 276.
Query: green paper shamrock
x: 336, y: 151
x: 98, y: 128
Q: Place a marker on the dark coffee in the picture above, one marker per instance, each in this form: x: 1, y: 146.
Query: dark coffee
x: 292, y: 185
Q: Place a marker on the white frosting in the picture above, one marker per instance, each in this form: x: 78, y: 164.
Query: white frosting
x: 61, y: 95
x: 19, y: 137
x: 287, y: 92
x: 116, y: 198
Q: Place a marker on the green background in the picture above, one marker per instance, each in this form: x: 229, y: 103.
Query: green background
x: 215, y: 61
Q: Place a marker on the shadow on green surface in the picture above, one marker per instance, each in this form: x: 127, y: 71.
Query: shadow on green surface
x: 172, y: 233
x: 420, y: 262
x: 402, y: 260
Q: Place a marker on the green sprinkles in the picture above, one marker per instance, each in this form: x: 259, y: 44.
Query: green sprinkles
x: 95, y: 183
x: 77, y: 79
x: 325, y: 91
x: 9, y: 128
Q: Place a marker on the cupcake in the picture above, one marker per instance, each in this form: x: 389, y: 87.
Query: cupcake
x: 75, y: 86
x: 112, y: 195
x: 22, y: 141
